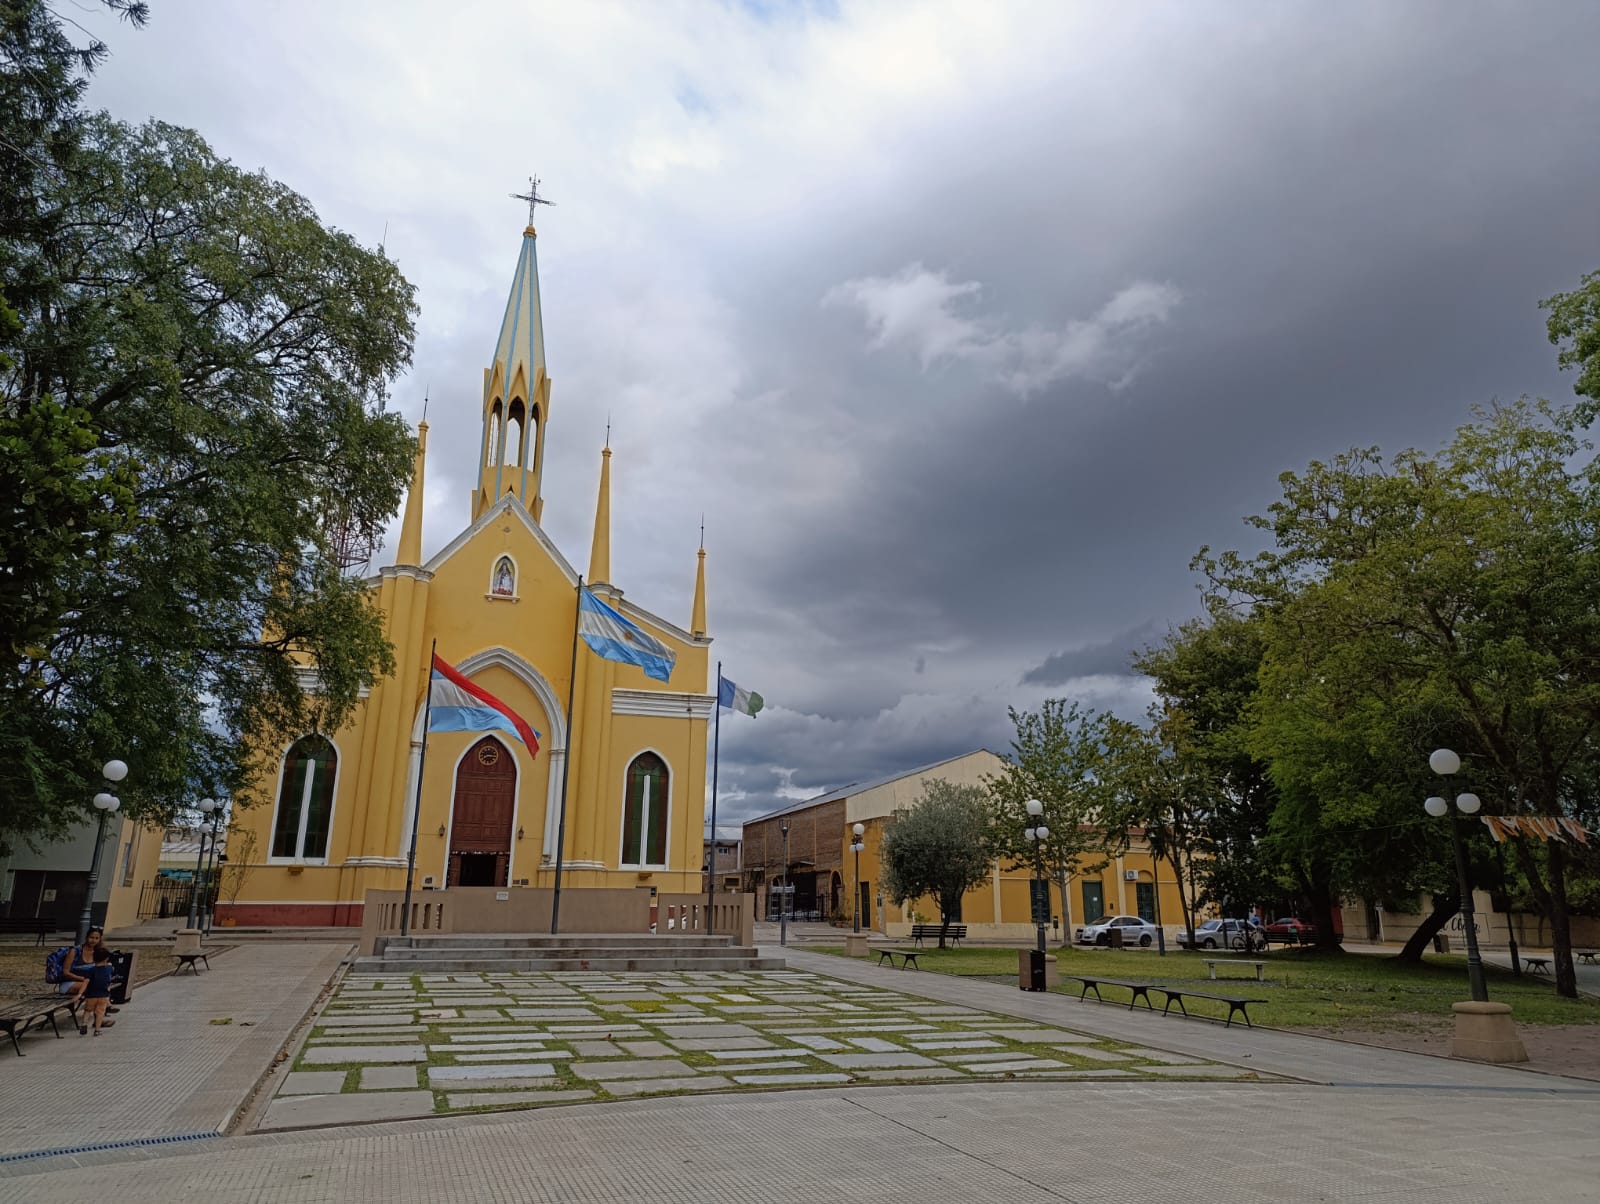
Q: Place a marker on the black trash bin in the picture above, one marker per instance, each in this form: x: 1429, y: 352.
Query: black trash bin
x: 121, y: 976
x: 1115, y: 937
x: 1036, y: 970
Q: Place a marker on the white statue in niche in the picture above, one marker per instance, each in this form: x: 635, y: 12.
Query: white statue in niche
x: 505, y: 580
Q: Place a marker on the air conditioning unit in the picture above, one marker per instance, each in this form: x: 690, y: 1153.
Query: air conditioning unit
x: 1130, y: 875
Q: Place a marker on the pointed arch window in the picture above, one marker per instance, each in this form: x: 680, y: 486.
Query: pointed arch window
x: 305, y: 800
x: 533, y: 438
x: 492, y: 455
x: 644, y: 822
x: 514, y: 444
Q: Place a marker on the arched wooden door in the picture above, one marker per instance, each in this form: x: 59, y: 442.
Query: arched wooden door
x: 481, y: 818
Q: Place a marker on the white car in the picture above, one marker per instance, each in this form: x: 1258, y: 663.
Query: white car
x: 1134, y: 931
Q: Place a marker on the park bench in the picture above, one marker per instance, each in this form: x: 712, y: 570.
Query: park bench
x: 1236, y: 1003
x: 1537, y: 965
x: 908, y: 957
x: 189, y: 959
x: 1141, y: 990
x: 33, y: 926
x: 16, y: 1017
x: 1213, y: 962
x: 1588, y: 955
x: 955, y: 933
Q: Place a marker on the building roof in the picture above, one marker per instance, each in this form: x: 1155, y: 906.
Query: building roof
x: 725, y: 832
x: 854, y: 788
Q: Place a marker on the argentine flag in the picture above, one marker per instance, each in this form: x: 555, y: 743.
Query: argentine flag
x: 457, y: 705
x: 737, y: 698
x: 615, y: 638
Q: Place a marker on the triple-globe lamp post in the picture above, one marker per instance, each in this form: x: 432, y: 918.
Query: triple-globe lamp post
x: 106, y: 804
x: 1446, y: 763
x: 1035, y: 834
x: 207, y: 807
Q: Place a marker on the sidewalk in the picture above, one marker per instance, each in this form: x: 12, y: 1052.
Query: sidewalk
x: 1313, y: 1059
x: 165, y: 1069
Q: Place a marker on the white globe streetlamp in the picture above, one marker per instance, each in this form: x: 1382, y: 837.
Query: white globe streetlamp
x: 1445, y: 763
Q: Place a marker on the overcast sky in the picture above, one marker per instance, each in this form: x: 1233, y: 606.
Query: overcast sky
x: 964, y: 324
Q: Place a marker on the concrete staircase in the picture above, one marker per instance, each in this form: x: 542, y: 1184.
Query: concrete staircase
x: 457, y: 953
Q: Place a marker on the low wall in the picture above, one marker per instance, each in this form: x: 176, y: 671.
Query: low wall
x: 1493, y: 927
x: 527, y: 910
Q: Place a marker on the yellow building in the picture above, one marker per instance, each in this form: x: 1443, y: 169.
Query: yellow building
x: 333, y: 818
x: 818, y: 880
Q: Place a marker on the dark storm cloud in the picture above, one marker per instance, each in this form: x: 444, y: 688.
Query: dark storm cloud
x: 877, y: 325
x: 1111, y: 657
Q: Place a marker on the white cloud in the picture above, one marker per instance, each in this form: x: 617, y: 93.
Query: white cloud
x: 926, y: 312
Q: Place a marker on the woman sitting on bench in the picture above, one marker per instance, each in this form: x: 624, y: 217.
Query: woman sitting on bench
x: 75, y: 974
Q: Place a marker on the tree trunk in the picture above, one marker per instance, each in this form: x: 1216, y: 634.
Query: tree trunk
x: 944, y: 924
x: 1561, y: 923
x: 1319, y: 892
x: 1183, y: 898
x: 1063, y: 883
x: 1444, y: 906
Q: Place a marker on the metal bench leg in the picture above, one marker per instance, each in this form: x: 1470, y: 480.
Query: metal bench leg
x: 15, y: 1044
x: 53, y: 1028
x: 1235, y: 1007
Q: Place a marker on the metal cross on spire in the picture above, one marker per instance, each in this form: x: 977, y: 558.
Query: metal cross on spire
x: 531, y: 196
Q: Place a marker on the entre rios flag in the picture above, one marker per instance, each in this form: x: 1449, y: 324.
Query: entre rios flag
x: 615, y: 638
x: 457, y: 705
x: 737, y: 698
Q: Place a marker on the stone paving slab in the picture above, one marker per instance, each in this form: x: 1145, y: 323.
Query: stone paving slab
x: 296, y: 1111
x: 313, y: 1082
x: 387, y: 1078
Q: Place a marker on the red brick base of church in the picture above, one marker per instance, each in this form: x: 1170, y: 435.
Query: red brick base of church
x: 290, y: 915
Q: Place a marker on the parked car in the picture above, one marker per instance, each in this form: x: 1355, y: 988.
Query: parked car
x: 1240, y: 935
x: 1292, y: 931
x: 1134, y: 931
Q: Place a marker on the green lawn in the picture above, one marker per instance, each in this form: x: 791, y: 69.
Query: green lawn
x: 1303, y: 989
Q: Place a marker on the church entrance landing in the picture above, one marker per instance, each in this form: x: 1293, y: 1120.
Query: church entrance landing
x: 482, y: 816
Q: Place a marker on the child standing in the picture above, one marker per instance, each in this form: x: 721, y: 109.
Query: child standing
x: 96, y: 992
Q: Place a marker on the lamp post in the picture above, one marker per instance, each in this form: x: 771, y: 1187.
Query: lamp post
x: 1445, y: 763
x: 1035, y: 834
x: 106, y: 804
x: 207, y: 806
x: 783, y: 909
x: 856, y: 846
x: 211, y: 863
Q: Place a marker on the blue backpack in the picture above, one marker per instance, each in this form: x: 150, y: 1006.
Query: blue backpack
x: 56, y: 964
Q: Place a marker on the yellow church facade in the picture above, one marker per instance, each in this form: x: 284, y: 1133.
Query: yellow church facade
x: 333, y: 813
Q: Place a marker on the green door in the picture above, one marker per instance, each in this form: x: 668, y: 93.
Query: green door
x: 1094, y: 901
x: 1147, y: 901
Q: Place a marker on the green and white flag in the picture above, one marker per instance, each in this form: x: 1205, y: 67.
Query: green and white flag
x: 737, y: 698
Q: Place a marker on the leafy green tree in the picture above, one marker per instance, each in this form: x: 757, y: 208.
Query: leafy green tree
x: 1574, y: 326
x: 193, y: 381
x: 941, y: 847
x: 1164, y: 793
x: 1207, y: 671
x: 1058, y: 756
x: 1445, y: 600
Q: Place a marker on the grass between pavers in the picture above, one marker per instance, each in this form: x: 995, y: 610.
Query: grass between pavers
x: 441, y: 1051
x: 1304, y: 988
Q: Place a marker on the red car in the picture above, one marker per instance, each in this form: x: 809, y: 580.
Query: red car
x: 1292, y: 931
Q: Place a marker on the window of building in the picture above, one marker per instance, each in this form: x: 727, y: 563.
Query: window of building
x: 514, y: 433
x: 492, y: 454
x: 305, y: 800
x: 644, y: 825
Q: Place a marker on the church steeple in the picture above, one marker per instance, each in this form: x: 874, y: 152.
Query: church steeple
x: 600, y: 550
x: 697, y: 618
x: 410, y: 550
x: 516, y: 395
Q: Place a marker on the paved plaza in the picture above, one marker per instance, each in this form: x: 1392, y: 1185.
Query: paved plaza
x: 1098, y: 1103
x: 182, y: 1058
x: 395, y: 1046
